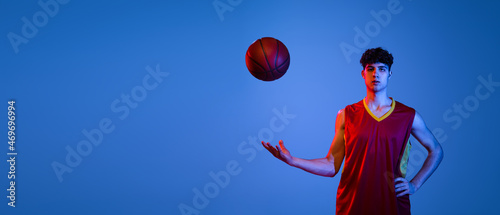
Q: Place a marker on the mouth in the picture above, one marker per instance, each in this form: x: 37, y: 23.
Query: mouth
x: 375, y: 82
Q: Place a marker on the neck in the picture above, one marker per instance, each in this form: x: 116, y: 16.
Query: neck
x: 376, y: 99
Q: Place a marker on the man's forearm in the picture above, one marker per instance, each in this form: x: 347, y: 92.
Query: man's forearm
x: 430, y: 165
x: 320, y: 166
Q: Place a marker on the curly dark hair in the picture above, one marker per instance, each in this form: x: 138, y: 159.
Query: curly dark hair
x: 376, y: 55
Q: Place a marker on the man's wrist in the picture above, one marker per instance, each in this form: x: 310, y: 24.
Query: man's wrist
x: 292, y: 162
x: 415, y: 185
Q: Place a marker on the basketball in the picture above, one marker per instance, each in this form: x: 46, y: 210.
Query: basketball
x: 267, y: 59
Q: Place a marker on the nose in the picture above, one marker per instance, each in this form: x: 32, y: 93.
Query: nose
x: 375, y: 73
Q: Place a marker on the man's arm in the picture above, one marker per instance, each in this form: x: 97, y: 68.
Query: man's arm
x: 328, y: 166
x: 435, y: 154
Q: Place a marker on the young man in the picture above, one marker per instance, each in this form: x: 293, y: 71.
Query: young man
x: 373, y: 137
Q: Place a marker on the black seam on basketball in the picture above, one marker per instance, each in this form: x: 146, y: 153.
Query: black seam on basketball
x: 287, y: 59
x: 283, y: 64
x: 265, y: 55
x: 263, y: 69
x: 272, y: 74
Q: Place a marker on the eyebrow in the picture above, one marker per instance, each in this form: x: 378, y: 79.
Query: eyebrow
x: 378, y: 67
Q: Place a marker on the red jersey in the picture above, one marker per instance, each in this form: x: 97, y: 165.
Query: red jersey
x: 376, y: 152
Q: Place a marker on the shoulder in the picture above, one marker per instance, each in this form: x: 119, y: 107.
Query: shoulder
x: 418, y: 122
x: 341, y: 113
x: 340, y: 121
x: 354, y: 106
x: 402, y: 107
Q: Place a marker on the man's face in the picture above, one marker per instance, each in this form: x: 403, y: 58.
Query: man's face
x: 376, y: 76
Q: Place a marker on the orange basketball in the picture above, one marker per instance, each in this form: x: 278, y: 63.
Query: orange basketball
x: 267, y: 59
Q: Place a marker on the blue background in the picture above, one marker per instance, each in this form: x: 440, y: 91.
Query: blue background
x: 66, y: 77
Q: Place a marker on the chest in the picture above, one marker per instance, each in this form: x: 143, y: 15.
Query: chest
x: 365, y: 128
x: 379, y: 112
x: 385, y: 125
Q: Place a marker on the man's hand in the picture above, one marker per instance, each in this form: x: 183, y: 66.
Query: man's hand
x: 279, y: 152
x: 405, y: 186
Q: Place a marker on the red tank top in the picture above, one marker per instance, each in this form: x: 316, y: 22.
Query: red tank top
x: 376, y: 152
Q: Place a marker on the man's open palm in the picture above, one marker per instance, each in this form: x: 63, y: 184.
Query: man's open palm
x: 279, y: 151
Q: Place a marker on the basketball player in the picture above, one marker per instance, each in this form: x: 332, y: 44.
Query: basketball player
x: 373, y: 137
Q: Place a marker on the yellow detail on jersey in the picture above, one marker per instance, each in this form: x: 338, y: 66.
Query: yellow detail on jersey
x: 404, y: 160
x: 393, y: 105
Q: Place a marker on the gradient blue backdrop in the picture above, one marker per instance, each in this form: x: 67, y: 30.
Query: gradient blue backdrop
x: 66, y: 77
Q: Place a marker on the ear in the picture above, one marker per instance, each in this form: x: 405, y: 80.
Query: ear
x: 362, y: 73
x: 390, y: 74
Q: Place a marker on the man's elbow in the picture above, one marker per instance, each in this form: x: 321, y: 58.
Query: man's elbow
x: 441, y: 153
x: 438, y: 153
x: 333, y: 173
x: 333, y: 167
